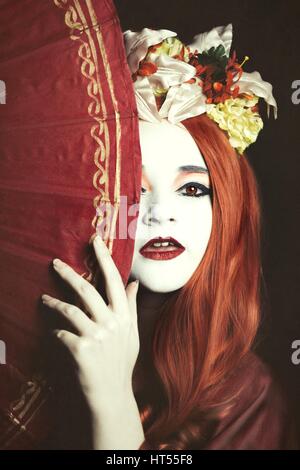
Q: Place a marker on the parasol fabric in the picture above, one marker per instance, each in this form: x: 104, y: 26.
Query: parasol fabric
x: 70, y: 165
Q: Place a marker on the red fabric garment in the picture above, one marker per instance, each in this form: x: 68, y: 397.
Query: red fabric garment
x: 68, y: 142
x: 259, y: 418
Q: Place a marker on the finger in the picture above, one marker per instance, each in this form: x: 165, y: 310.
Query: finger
x: 88, y: 294
x: 131, y: 293
x: 70, y: 340
x: 73, y: 314
x: 115, y: 290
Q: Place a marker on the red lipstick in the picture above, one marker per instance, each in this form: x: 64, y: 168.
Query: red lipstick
x: 160, y: 248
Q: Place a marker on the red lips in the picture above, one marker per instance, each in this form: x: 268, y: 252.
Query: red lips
x: 163, y: 252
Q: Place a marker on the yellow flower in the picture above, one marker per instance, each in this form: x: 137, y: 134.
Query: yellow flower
x: 236, y: 118
x: 172, y: 47
x: 160, y: 91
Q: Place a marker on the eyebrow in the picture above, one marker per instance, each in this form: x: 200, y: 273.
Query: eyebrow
x: 189, y: 169
x: 192, y: 169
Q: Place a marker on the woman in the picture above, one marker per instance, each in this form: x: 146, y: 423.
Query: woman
x: 170, y: 364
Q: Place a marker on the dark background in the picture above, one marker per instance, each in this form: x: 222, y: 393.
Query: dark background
x: 269, y: 33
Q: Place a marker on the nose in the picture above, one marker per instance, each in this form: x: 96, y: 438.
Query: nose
x: 159, y: 213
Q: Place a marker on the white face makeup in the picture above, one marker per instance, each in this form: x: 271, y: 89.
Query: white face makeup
x: 175, y: 202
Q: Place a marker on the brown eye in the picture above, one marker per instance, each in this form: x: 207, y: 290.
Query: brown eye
x: 194, y: 190
x: 191, y: 190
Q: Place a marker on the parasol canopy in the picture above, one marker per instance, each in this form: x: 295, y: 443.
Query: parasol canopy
x: 70, y: 166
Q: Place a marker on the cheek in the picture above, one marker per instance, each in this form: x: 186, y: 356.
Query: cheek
x: 141, y: 228
x: 203, y: 218
x: 196, y: 222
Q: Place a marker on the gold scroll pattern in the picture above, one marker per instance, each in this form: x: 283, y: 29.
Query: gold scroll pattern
x: 33, y: 395
x: 89, y: 51
x: 35, y: 392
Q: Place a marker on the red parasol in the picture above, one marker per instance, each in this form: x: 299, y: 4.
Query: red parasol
x: 70, y: 164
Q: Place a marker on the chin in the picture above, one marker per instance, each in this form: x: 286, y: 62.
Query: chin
x: 161, y: 287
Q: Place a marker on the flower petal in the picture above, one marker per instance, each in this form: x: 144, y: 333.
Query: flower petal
x: 137, y: 43
x: 252, y: 83
x: 145, y: 100
x: 236, y: 118
x: 183, y: 102
x: 170, y: 72
x: 221, y: 35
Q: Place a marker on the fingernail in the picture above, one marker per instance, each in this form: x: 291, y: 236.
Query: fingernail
x: 46, y: 297
x: 57, y: 262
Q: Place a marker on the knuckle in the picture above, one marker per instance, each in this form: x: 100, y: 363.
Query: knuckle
x: 84, y: 288
x: 112, y: 324
x: 55, y: 303
x: 97, y: 334
x: 70, y: 310
x: 82, y: 346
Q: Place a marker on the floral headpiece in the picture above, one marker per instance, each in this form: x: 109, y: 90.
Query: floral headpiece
x: 175, y: 81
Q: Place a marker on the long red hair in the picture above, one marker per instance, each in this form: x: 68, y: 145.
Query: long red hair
x: 210, y: 325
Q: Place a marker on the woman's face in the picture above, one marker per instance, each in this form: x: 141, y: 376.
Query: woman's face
x: 175, y: 203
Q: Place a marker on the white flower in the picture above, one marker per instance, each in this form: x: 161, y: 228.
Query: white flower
x: 221, y: 35
x: 137, y: 44
x: 253, y: 84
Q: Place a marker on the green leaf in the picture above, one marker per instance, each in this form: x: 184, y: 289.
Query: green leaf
x: 215, y: 56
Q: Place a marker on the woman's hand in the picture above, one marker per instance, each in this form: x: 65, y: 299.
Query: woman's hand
x: 107, y: 345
